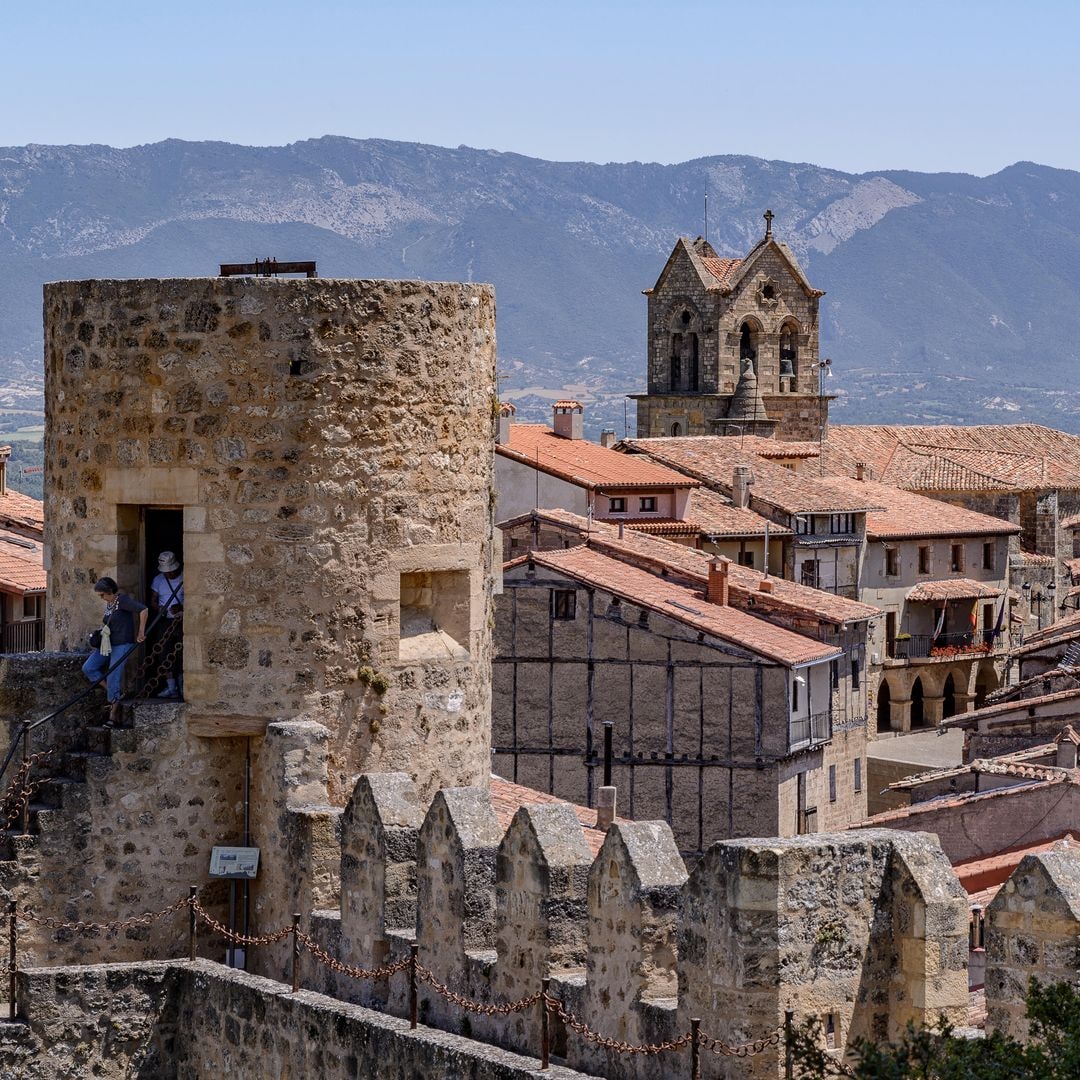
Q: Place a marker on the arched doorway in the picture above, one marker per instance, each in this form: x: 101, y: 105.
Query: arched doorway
x: 986, y: 682
x: 918, y: 715
x: 676, y: 430
x: 884, y: 707
x: 948, y: 697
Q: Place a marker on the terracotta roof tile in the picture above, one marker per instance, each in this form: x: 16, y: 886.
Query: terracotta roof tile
x: 660, y: 526
x: 508, y: 798
x: 722, y: 270
x: 22, y: 511
x: 982, y: 877
x: 906, y: 514
x: 712, y: 459
x: 685, y: 605
x: 717, y: 517
x: 21, y: 564
x: 585, y: 463
x: 1031, y: 559
x: 567, y: 403
x: 958, y: 458
x: 693, y: 565
x: 951, y: 589
x: 779, y: 449
x: 999, y: 708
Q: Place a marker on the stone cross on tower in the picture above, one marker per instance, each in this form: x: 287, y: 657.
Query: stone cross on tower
x: 768, y: 216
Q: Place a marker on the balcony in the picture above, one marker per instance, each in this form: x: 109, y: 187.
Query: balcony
x: 806, y: 732
x: 22, y: 637
x: 946, y: 646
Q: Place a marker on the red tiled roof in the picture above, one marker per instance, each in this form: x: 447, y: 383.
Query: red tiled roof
x: 779, y: 449
x: 685, y: 605
x: 660, y: 526
x: 717, y: 517
x: 722, y: 270
x: 951, y: 589
x: 1055, y: 630
x: 981, y: 457
x: 1031, y: 559
x: 906, y: 514
x: 971, y: 719
x: 585, y: 463
x: 22, y: 511
x: 712, y: 459
x: 566, y: 403
x: 21, y: 564
x: 980, y: 765
x: 982, y: 877
x: 508, y: 798
x: 693, y: 565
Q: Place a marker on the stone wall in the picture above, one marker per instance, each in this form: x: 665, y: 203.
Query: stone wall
x: 869, y: 928
x: 319, y: 439
x: 1032, y: 931
x: 186, y: 1021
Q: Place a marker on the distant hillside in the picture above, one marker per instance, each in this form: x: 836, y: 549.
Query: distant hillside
x: 950, y: 297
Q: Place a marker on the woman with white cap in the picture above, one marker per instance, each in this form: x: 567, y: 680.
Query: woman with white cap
x: 167, y: 598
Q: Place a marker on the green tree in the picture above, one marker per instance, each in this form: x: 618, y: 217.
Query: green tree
x: 938, y: 1053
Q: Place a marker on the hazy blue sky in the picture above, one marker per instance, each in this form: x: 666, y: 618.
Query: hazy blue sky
x: 857, y: 86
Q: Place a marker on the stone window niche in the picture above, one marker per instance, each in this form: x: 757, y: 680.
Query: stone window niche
x: 434, y: 615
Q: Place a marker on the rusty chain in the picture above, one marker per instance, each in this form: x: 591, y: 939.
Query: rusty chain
x: 583, y: 1029
x: 746, y: 1049
x: 334, y: 964
x: 239, y: 939
x: 152, y: 655
x: 19, y: 791
x: 145, y: 919
x: 426, y: 975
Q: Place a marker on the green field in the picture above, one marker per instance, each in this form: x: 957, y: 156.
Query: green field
x: 24, y: 434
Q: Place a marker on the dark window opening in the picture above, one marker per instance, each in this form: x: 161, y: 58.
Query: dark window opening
x: 686, y: 318
x: 748, y: 347
x: 647, y: 505
x: 988, y: 555
x: 563, y: 604
x: 676, y: 430
x: 832, y: 783
x: 810, y: 573
x: 892, y: 562
x: 616, y: 506
x: 924, y: 560
x: 855, y: 670
x: 956, y: 560
x: 858, y: 774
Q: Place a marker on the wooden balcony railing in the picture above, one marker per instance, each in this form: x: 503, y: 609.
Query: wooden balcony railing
x: 21, y: 637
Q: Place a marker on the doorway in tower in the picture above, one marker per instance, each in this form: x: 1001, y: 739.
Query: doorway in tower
x: 162, y: 560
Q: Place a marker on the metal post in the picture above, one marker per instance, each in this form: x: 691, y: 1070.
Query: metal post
x: 608, y: 728
x: 295, y: 951
x: 12, y: 934
x: 545, y: 1034
x: 695, y: 1049
x: 789, y: 1044
x: 193, y: 922
x: 26, y: 781
x: 414, y: 949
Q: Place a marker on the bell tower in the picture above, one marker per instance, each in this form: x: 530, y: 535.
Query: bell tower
x: 713, y: 320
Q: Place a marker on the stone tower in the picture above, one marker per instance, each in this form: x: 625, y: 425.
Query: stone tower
x: 712, y: 319
x: 319, y: 453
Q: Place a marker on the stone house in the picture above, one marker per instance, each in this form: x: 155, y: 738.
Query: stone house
x: 22, y: 571
x: 537, y: 465
x: 734, y: 710
x: 1026, y: 474
x: 940, y: 574
x: 827, y: 524
x: 733, y: 345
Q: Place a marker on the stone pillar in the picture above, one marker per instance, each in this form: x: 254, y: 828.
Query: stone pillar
x: 933, y: 710
x: 540, y: 894
x: 900, y: 714
x: 379, y: 832
x: 455, y: 875
x: 1032, y: 930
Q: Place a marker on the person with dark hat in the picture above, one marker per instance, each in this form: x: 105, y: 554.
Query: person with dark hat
x: 123, y: 626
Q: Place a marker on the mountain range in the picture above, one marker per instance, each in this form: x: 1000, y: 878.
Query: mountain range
x: 950, y: 297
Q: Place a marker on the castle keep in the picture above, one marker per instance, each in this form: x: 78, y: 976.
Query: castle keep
x: 331, y: 517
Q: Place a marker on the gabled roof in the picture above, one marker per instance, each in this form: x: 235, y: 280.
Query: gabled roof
x: 22, y: 511
x: 712, y: 459
x: 22, y: 567
x: 953, y: 457
x: 508, y: 798
x: 770, y: 243
x: 691, y: 566
x: 685, y: 605
x: 907, y: 515
x: 715, y: 516
x: 585, y: 463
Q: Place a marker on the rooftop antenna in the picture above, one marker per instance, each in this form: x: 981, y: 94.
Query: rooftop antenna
x: 706, y: 217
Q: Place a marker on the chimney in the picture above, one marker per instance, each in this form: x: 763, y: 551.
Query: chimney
x: 765, y: 585
x: 507, y: 411
x: 605, y: 807
x: 607, y: 438
x: 717, y: 590
x: 861, y: 470
x: 1066, y: 749
x: 568, y: 419
x: 741, y: 480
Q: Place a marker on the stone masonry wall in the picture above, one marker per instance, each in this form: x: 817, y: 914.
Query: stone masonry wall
x: 186, y: 1021
x: 322, y: 438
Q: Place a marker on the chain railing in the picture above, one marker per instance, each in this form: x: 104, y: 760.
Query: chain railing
x: 550, y: 1004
